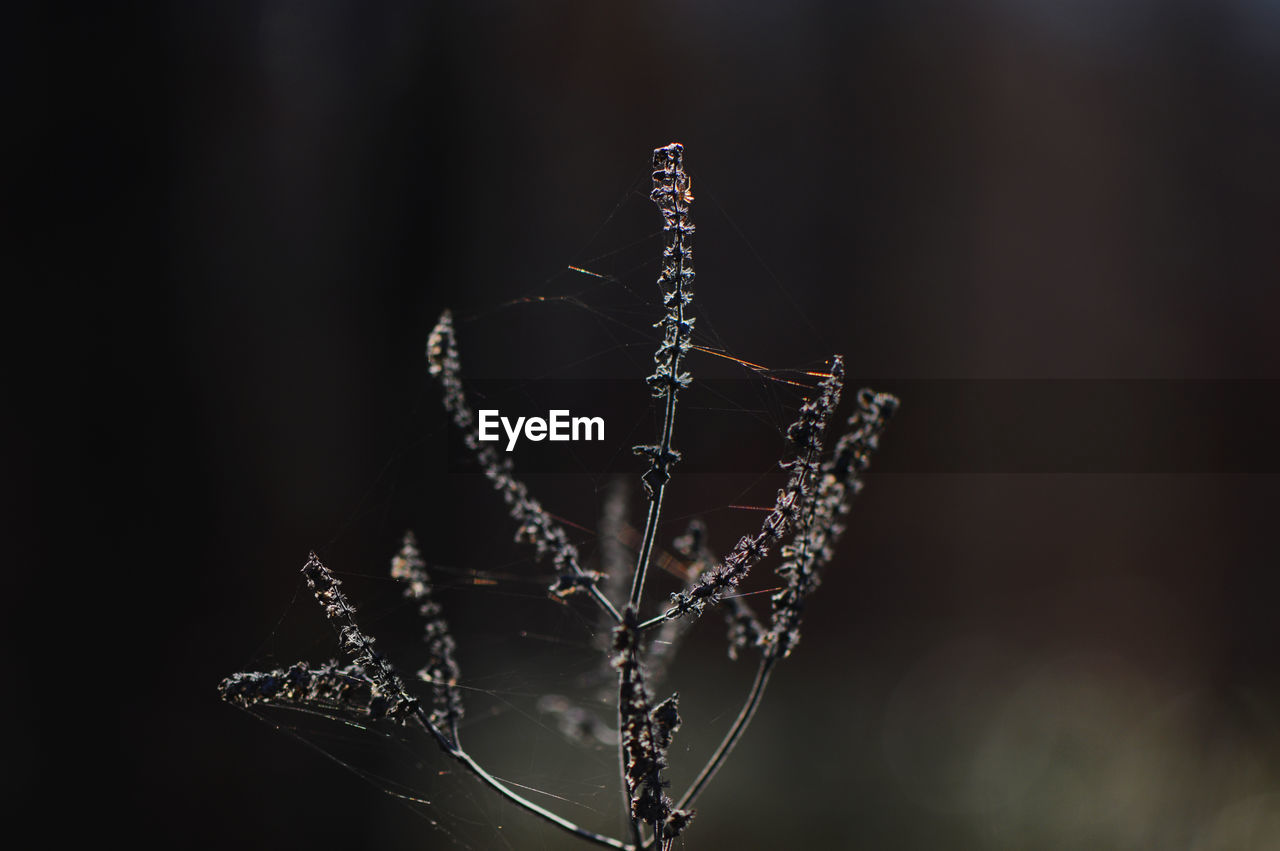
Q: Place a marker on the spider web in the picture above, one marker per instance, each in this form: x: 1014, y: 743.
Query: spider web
x: 535, y: 679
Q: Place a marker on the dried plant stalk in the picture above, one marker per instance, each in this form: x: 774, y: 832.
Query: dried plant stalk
x: 804, y: 524
x: 329, y: 689
x: 533, y: 524
x: 441, y: 669
x: 805, y: 436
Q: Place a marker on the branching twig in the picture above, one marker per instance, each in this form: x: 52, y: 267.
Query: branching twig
x: 642, y: 755
x: 805, y: 522
x: 372, y: 671
x: 805, y: 436
x: 840, y: 483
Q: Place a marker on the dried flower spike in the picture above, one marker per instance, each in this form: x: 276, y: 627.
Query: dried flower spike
x: 816, y: 540
x: 441, y: 669
x: 327, y: 689
x: 340, y: 612
x: 645, y: 733
x: 534, y: 525
x: 805, y: 436
x: 745, y: 629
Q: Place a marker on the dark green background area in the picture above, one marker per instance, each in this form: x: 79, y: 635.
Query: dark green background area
x: 233, y: 225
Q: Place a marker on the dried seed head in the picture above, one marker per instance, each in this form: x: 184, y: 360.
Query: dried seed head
x: 676, y: 823
x: 328, y: 592
x: 806, y: 444
x: 441, y: 670
x: 645, y: 731
x: 672, y: 192
x: 329, y: 689
x: 534, y: 525
x: 822, y: 527
x: 666, y: 720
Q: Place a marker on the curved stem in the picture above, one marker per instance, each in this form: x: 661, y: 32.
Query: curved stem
x: 709, y: 770
x: 768, y: 658
x: 454, y: 749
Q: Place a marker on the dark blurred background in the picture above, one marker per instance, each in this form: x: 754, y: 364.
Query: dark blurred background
x: 234, y: 224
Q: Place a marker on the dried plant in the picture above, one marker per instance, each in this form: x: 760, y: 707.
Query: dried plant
x: 803, y: 526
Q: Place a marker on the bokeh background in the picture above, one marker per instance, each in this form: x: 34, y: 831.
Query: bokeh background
x: 234, y: 224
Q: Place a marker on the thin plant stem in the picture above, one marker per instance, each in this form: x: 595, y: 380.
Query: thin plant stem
x: 641, y: 761
x: 807, y: 509
x: 672, y: 196
x: 658, y: 620
x: 456, y: 752
x: 763, y: 672
x: 655, y: 511
x: 768, y: 658
x: 607, y: 606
